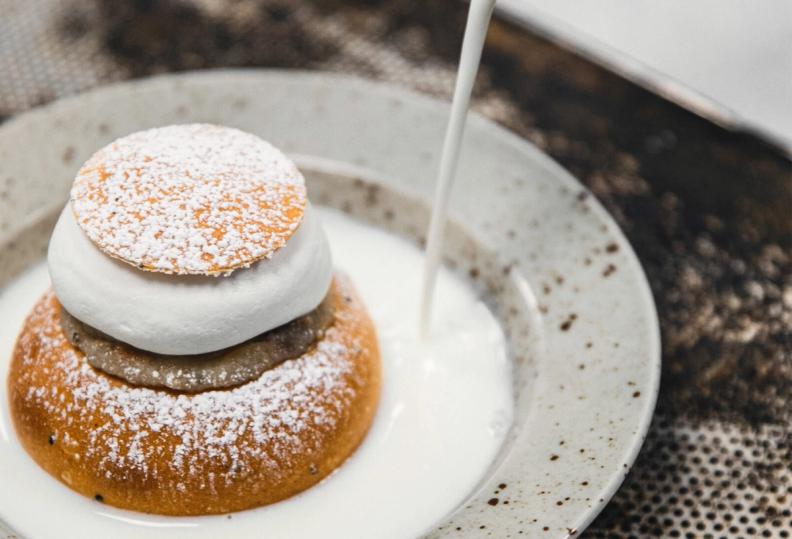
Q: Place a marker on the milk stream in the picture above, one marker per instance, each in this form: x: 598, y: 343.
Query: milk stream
x: 478, y: 20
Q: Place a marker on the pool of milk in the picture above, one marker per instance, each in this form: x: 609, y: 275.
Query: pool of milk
x: 445, y: 409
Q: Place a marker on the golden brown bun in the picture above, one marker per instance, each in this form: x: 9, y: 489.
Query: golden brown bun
x: 213, y: 452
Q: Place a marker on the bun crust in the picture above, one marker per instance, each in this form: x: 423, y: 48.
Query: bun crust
x: 218, y: 451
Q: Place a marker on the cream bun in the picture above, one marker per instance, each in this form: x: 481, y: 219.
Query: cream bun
x: 197, y: 354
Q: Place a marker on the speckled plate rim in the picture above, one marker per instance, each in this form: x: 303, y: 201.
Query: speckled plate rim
x: 168, y: 93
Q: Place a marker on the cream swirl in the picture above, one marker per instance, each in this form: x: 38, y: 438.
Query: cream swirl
x: 188, y: 314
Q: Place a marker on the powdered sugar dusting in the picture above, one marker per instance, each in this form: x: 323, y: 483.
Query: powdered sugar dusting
x: 189, y: 199
x: 206, y: 440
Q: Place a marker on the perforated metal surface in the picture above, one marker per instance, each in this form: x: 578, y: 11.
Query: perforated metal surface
x: 706, y: 210
x: 710, y: 480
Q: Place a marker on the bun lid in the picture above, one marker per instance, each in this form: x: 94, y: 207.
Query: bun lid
x: 195, y: 199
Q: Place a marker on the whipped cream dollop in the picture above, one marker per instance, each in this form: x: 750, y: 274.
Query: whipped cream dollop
x: 188, y: 314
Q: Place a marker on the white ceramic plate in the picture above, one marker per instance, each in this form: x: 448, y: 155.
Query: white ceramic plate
x: 580, y: 420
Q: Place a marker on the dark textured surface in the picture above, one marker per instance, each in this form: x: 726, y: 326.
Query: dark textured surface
x: 708, y: 212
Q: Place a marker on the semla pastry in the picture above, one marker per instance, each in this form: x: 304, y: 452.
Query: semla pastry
x: 197, y: 354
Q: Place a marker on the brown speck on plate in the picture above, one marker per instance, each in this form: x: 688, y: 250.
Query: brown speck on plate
x: 68, y: 154
x: 566, y: 324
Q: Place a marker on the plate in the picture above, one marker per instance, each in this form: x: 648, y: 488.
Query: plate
x: 587, y: 385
